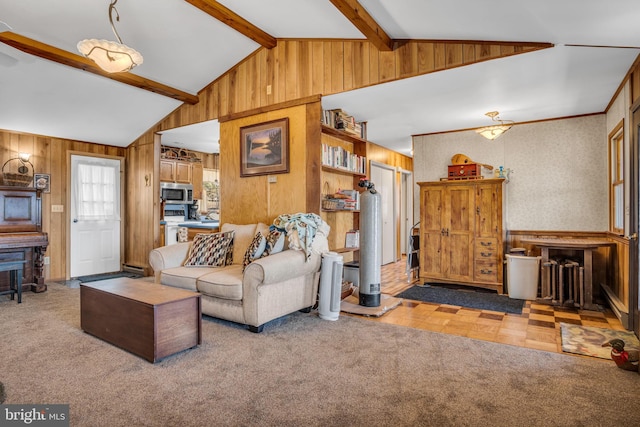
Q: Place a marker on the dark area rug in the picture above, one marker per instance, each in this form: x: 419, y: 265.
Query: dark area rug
x: 463, y: 297
x: 96, y: 277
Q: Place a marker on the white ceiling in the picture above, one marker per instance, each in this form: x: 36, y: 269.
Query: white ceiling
x: 185, y: 48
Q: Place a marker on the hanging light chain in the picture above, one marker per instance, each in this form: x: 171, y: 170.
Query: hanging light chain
x: 112, y: 8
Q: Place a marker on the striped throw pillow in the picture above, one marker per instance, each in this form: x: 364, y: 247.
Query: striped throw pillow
x: 209, y: 250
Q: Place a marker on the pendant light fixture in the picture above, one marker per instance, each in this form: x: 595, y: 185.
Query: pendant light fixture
x: 493, y: 132
x: 112, y: 57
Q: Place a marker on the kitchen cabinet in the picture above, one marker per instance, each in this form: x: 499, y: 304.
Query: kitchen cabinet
x: 176, y: 171
x: 461, y: 232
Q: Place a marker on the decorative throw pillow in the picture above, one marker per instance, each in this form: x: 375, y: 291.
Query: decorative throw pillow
x: 183, y: 234
x: 209, y: 250
x: 255, y: 249
x: 275, y: 242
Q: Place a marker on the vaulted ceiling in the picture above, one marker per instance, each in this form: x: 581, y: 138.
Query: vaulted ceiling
x: 188, y: 44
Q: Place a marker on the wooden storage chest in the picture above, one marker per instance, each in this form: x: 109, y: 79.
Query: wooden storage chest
x: 467, y: 170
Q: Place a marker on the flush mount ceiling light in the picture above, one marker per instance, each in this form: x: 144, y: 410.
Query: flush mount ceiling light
x: 492, y: 132
x: 111, y: 56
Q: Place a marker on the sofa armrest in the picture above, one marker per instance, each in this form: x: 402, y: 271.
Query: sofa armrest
x: 168, y: 257
x: 280, y: 267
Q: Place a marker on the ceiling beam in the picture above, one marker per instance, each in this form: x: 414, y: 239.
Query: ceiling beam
x: 64, y: 57
x: 238, y: 23
x: 365, y: 23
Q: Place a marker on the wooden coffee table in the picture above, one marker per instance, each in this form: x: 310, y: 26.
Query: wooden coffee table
x: 150, y: 320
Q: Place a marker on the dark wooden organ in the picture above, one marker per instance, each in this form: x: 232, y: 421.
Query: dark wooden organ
x: 21, y: 236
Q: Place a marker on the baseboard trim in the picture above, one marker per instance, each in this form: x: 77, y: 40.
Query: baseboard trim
x: 133, y: 269
x: 617, y: 306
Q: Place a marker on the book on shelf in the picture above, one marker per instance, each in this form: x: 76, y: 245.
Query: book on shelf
x: 340, y: 120
x: 352, y: 202
x: 339, y: 158
x: 352, y: 239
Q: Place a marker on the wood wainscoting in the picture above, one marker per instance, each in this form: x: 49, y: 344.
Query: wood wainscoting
x: 611, y: 265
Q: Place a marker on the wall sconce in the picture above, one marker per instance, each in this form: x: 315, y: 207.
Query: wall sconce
x: 493, y: 132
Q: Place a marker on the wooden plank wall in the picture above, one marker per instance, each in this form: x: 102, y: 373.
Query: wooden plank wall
x: 50, y: 155
x: 294, y: 69
x: 254, y: 199
x: 299, y: 68
x: 635, y: 81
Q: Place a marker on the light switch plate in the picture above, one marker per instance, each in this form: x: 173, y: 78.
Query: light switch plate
x: 273, y: 179
x: 57, y: 208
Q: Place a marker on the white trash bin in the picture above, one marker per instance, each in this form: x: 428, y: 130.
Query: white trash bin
x: 522, y: 276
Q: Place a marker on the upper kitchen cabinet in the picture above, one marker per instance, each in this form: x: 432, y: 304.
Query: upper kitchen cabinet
x: 176, y: 171
x: 182, y: 166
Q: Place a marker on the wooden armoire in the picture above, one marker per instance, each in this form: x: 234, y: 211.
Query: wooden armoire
x: 462, y: 232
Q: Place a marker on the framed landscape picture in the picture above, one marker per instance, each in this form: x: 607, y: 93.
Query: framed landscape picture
x: 264, y: 148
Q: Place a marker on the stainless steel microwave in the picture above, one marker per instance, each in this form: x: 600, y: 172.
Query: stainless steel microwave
x: 173, y: 193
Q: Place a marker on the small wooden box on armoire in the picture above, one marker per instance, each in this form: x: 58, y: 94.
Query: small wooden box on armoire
x: 467, y: 170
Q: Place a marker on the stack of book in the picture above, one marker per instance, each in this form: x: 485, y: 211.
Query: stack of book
x: 352, y: 202
x: 338, y: 119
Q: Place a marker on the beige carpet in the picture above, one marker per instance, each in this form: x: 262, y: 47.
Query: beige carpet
x: 302, y: 371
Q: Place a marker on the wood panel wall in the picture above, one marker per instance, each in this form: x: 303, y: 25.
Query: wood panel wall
x: 245, y: 200
x: 292, y: 70
x: 634, y: 78
x: 50, y: 155
x: 299, y: 68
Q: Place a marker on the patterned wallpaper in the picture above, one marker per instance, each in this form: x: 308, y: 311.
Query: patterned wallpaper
x: 558, y: 171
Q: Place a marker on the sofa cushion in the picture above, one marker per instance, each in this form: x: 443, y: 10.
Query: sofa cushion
x: 209, y: 250
x: 243, y: 234
x: 223, y: 283
x: 255, y: 249
x: 184, y: 277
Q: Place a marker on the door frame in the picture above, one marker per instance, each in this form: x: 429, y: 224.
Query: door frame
x: 634, y: 211
x: 67, y: 216
x: 406, y: 207
x: 394, y: 185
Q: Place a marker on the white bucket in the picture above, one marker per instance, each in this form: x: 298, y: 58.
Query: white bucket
x: 522, y: 276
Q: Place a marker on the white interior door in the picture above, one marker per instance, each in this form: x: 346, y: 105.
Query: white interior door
x: 383, y: 176
x: 94, y: 216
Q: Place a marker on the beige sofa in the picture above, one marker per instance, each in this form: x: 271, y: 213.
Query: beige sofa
x: 269, y: 287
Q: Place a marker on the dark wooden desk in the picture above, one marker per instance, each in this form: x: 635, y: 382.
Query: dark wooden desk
x: 586, y: 246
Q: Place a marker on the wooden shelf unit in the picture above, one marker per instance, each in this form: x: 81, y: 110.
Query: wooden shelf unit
x: 344, y: 220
